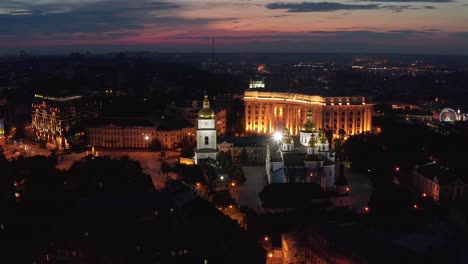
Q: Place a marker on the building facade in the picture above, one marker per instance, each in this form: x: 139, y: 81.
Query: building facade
x: 268, y: 112
x: 433, y: 180
x: 53, y: 117
x: 136, y: 136
x: 114, y: 136
x: 255, y: 147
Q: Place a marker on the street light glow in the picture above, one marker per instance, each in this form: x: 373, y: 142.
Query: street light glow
x: 277, y: 136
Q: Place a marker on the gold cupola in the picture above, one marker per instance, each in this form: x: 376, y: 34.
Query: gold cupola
x: 309, y: 126
x: 323, y: 138
x: 312, y: 143
x: 206, y: 112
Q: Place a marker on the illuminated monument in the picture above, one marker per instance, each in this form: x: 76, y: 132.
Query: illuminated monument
x: 307, y: 160
x: 206, y: 133
x: 267, y: 112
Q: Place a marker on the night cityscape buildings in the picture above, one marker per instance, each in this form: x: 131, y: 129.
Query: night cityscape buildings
x: 268, y: 112
x: 277, y: 132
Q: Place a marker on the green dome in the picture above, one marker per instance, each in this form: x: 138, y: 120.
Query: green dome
x: 312, y: 143
x: 309, y: 126
x: 287, y: 138
x: 206, y: 112
x: 323, y: 139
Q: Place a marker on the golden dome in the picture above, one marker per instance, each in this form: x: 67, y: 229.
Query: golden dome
x: 323, y: 139
x: 206, y: 112
x: 309, y: 126
x: 312, y: 143
x: 287, y: 138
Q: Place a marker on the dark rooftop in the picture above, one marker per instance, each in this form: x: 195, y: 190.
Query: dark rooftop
x: 247, y: 141
x: 121, y: 122
x: 433, y: 170
x: 291, y: 195
x: 173, y: 124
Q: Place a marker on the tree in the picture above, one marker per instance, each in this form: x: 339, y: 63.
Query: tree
x: 104, y: 175
x: 236, y: 173
x: 38, y: 178
x: 187, y: 152
x: 7, y: 196
x: 155, y: 145
x: 329, y: 134
x: 224, y: 159
x: 165, y: 168
x: 187, y: 144
x: 341, y: 133
x: 244, y: 157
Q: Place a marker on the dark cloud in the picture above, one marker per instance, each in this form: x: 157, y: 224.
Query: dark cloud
x: 316, y: 35
x: 318, y: 7
x: 460, y: 35
x: 110, y: 19
x: 331, y: 6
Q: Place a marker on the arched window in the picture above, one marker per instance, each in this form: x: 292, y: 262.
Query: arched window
x: 206, y: 140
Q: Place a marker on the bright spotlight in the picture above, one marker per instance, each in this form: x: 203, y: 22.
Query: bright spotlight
x: 277, y: 136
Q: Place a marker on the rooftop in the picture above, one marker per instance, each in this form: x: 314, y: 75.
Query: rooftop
x: 247, y: 141
x: 173, y: 124
x: 432, y: 170
x: 291, y: 195
x: 119, y: 122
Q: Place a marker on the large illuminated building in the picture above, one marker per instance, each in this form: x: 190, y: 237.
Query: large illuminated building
x: 267, y: 112
x: 53, y: 117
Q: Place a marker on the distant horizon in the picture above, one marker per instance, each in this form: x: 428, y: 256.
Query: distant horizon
x: 84, y: 51
x: 357, y: 26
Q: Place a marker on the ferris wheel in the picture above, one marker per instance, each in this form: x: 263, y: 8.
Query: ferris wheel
x: 448, y: 115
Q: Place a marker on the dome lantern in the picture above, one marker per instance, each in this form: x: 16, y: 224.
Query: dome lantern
x: 309, y: 126
x: 206, y: 112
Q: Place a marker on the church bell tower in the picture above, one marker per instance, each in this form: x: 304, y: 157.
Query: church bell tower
x: 206, y: 133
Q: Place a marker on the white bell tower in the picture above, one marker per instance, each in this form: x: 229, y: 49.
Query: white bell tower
x: 206, y: 133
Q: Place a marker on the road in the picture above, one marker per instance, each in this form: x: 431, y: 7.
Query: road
x: 360, y: 188
x: 247, y: 194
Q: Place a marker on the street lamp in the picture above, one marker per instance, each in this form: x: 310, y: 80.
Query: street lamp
x: 277, y: 136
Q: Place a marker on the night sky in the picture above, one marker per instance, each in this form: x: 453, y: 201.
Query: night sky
x: 395, y: 26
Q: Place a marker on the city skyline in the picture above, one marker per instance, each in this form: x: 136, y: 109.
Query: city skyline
x: 388, y: 26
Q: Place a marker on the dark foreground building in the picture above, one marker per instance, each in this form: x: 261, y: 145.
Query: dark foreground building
x: 171, y: 226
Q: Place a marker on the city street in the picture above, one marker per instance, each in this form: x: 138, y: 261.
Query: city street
x: 360, y: 188
x: 247, y: 194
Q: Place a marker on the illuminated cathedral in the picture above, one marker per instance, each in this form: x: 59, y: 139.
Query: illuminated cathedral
x: 308, y: 160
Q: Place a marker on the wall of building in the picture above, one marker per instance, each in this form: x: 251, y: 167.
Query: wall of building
x: 52, y: 117
x: 135, y: 137
x: 268, y: 112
